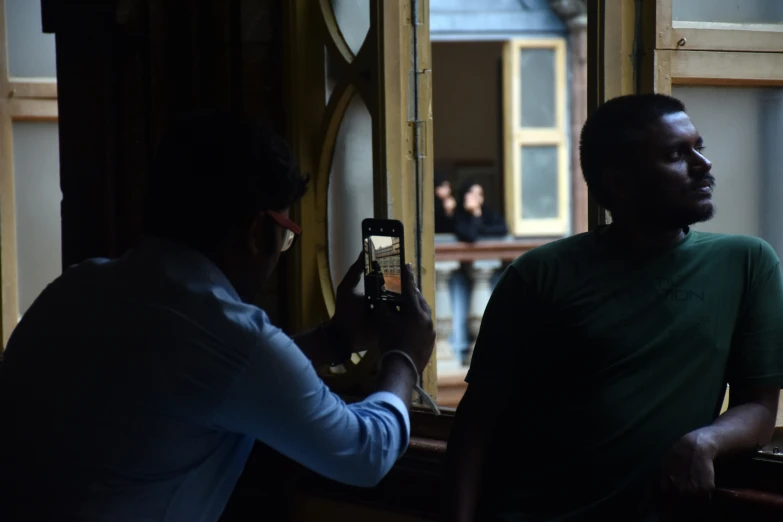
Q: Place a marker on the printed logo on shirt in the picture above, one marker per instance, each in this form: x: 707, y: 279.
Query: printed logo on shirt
x: 659, y: 289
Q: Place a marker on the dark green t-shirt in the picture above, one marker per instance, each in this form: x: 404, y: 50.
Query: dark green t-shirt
x: 613, y: 358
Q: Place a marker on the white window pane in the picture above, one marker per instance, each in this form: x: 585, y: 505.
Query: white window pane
x: 540, y: 182
x: 30, y: 51
x: 329, y: 80
x: 37, y: 198
x: 728, y: 11
x: 350, y: 188
x: 537, y: 68
x: 353, y: 19
x: 743, y: 132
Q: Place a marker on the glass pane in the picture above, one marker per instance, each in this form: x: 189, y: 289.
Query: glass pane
x: 539, y: 182
x: 350, y: 188
x: 537, y: 67
x: 743, y: 131
x: 329, y: 74
x: 728, y: 11
x: 353, y: 19
x: 30, y: 51
x: 37, y: 196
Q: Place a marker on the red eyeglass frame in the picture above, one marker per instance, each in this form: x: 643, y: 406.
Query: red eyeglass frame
x: 292, y: 229
x: 284, y: 222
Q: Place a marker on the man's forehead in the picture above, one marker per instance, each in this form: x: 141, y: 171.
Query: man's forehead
x: 673, y: 127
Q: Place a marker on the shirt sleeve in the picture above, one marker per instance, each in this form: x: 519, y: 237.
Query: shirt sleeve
x: 756, y: 358
x: 281, y: 401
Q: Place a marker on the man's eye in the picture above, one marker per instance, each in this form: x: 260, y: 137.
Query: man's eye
x: 700, y: 148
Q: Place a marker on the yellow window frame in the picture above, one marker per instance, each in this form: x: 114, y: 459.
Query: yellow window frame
x: 748, y: 69
x: 515, y: 136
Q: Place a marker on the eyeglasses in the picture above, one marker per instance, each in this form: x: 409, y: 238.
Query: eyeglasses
x: 290, y: 229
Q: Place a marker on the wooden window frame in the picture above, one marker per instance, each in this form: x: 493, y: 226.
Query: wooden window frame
x: 515, y: 137
x: 713, y: 36
x: 21, y: 99
x: 717, y: 68
x: 398, y: 98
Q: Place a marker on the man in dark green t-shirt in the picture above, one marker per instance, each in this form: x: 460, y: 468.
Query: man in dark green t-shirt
x: 599, y: 373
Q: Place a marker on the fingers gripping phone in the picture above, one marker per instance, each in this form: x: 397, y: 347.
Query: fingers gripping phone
x: 384, y: 257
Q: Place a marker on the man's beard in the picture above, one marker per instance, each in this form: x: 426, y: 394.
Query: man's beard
x: 673, y: 218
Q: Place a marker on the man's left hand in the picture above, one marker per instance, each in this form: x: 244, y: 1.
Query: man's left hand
x: 689, y: 468
x: 350, y: 314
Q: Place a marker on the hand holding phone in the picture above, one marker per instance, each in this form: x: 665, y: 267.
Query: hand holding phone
x: 412, y: 331
x: 402, y: 314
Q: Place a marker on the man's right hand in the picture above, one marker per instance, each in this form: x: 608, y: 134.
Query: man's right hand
x: 411, y: 330
x: 472, y: 204
x: 449, y: 205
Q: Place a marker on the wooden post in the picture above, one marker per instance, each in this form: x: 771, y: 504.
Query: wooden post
x: 578, y: 47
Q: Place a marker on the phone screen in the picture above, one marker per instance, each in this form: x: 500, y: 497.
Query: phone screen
x: 383, y: 259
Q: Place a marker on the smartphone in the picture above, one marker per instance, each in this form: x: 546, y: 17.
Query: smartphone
x: 384, y: 257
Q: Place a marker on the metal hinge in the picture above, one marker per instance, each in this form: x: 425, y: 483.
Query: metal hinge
x: 417, y: 12
x: 420, y: 101
x: 419, y: 107
x: 417, y: 140
x: 419, y: 87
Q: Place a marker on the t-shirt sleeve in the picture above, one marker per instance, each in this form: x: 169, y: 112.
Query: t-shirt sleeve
x: 757, y: 347
x: 508, y: 331
x: 281, y: 401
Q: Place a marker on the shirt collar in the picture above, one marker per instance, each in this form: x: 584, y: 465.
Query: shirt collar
x: 185, y: 264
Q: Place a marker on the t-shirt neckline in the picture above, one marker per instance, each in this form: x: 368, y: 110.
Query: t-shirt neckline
x: 604, y: 241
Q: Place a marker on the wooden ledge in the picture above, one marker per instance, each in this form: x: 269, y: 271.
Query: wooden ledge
x: 412, y: 487
x: 747, y: 490
x: 428, y: 446
x: 758, y: 498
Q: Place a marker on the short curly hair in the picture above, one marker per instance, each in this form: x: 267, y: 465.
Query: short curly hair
x: 213, y: 173
x: 613, y: 129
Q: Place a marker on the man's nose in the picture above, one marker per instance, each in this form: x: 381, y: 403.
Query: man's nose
x: 702, y: 163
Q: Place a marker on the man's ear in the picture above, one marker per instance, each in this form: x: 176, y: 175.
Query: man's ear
x: 615, y: 185
x: 254, y: 236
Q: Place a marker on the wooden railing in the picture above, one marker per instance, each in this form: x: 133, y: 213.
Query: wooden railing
x: 447, y: 248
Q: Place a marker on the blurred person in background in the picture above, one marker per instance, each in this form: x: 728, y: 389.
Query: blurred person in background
x: 445, y: 205
x: 473, y: 221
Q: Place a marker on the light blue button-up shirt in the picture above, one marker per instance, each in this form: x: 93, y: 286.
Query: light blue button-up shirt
x: 134, y: 390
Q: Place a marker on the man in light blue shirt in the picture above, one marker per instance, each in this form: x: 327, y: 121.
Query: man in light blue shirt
x: 134, y: 389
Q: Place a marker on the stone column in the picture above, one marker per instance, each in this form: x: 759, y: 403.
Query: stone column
x: 482, y: 273
x: 443, y: 271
